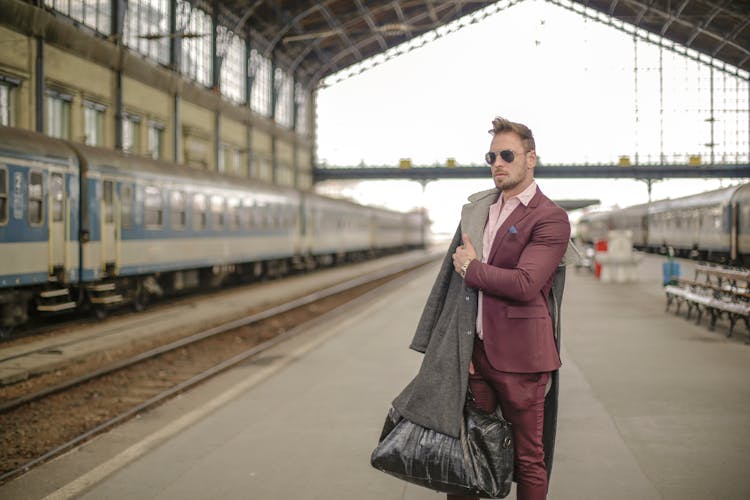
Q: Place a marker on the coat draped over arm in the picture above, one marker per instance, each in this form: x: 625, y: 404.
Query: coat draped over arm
x: 445, y: 334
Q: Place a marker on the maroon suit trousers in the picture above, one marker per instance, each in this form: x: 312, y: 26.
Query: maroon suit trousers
x: 521, y: 399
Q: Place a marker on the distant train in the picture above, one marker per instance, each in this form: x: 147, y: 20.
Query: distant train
x: 89, y: 227
x: 712, y: 226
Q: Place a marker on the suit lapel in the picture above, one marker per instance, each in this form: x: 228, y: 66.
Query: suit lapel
x: 520, y: 212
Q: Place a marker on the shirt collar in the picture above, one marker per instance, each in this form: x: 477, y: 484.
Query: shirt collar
x: 524, y: 196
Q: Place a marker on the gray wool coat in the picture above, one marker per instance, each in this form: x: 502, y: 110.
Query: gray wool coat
x: 445, y: 333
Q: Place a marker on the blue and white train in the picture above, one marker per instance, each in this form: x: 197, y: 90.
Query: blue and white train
x: 86, y: 227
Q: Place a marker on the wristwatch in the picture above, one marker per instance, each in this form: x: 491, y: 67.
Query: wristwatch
x: 464, y: 267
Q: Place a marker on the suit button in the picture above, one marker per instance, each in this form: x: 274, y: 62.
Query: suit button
x: 467, y: 298
x: 469, y: 332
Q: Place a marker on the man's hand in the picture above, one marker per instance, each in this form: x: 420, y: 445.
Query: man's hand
x: 463, y: 253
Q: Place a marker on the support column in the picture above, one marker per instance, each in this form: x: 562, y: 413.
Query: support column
x: 295, y: 144
x: 248, y: 97
x: 311, y: 127
x: 217, y: 141
x: 635, y: 94
x: 661, y: 109
x: 274, y: 98
x: 215, y: 79
x: 118, y: 110
x: 175, y: 50
x: 118, y: 17
x: 176, y: 128
x: 174, y: 41
x: 39, y: 86
x: 711, y: 119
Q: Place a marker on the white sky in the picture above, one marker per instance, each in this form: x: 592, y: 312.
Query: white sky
x: 569, y: 79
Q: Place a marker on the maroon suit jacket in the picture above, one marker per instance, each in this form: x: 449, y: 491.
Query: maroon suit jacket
x: 516, y: 281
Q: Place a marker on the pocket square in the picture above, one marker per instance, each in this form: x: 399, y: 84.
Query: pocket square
x: 512, y: 230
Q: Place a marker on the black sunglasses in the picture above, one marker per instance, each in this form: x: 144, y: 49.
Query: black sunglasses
x: 506, y: 154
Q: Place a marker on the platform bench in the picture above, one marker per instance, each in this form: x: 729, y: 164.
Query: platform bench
x: 719, y: 292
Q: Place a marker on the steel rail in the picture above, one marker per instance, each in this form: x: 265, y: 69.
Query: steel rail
x: 228, y: 363
x: 11, y: 404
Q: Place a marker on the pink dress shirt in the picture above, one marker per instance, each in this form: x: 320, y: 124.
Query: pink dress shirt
x: 499, y: 212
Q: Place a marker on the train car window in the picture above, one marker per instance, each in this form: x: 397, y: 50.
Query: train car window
x: 289, y: 218
x: 717, y: 218
x: 36, y: 198
x: 283, y: 217
x: 178, y: 210
x: 235, y: 219
x: 126, y: 210
x: 247, y: 210
x: 259, y: 216
x: 154, y: 208
x: 277, y: 217
x: 296, y: 219
x: 3, y: 196
x: 108, y: 189
x: 271, y: 216
x: 199, y: 212
x: 217, y: 212
x: 56, y: 190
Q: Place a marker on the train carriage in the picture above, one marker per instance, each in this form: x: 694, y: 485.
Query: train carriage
x: 414, y: 227
x: 696, y: 226
x: 144, y: 217
x: 594, y: 226
x: 39, y: 200
x: 335, y: 229
x: 740, y: 249
x: 388, y: 226
x: 635, y: 220
x: 712, y: 226
x: 83, y: 226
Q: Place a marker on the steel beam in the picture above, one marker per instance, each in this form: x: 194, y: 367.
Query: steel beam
x: 545, y: 171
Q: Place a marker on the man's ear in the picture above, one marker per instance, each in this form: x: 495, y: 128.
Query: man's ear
x: 531, y: 159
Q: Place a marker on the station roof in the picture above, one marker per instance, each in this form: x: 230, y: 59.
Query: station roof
x: 717, y: 28
x: 315, y: 39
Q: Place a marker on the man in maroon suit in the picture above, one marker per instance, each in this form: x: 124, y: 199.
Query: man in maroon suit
x: 513, y: 264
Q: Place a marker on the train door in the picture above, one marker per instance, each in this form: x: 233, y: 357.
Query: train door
x: 301, y: 226
x: 310, y: 227
x: 109, y: 228
x: 58, y: 224
x: 735, y: 218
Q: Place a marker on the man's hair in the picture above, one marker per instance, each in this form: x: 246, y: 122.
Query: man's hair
x: 500, y: 124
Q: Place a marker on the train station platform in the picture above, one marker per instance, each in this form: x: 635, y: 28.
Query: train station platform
x: 651, y: 407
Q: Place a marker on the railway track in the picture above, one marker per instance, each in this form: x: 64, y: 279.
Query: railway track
x: 52, y: 419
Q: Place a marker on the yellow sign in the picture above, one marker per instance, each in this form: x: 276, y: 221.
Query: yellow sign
x: 450, y: 162
x: 694, y: 160
x: 404, y: 163
x: 624, y: 161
